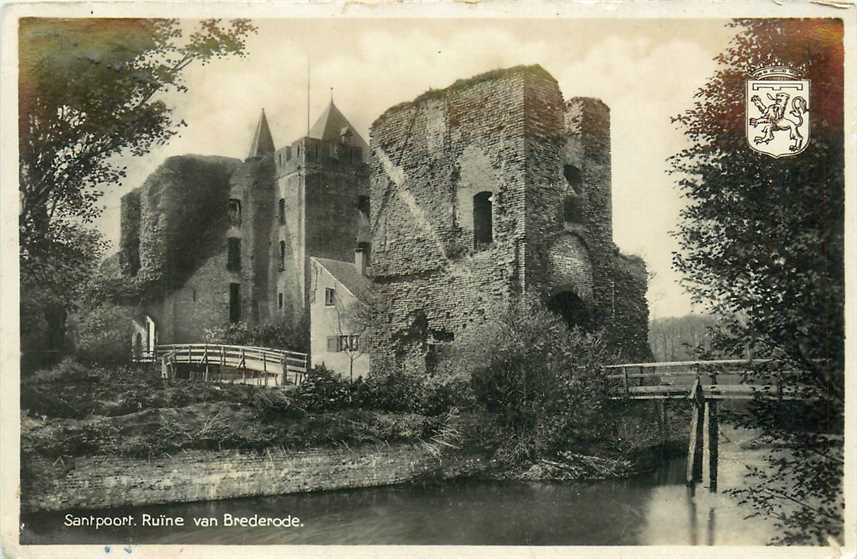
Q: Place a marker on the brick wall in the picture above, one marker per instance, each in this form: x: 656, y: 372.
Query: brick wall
x: 508, y: 133
x: 430, y: 158
x: 102, y: 481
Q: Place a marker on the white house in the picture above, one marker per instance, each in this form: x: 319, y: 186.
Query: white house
x: 337, y: 336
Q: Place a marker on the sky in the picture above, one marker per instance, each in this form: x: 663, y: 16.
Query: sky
x: 645, y: 70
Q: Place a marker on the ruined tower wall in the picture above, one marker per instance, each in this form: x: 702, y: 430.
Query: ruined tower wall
x: 175, y: 226
x: 430, y: 159
x: 544, y: 163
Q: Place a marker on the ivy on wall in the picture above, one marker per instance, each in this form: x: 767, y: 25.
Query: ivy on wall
x: 182, y: 219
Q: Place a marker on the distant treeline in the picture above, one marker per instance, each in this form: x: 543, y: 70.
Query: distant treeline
x: 676, y: 338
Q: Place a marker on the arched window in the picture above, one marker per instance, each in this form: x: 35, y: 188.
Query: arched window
x: 483, y: 220
x: 282, y: 255
x: 281, y: 211
x: 572, y: 202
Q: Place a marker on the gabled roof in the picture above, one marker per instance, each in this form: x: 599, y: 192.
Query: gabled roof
x: 348, y: 275
x: 263, y: 142
x: 331, y: 126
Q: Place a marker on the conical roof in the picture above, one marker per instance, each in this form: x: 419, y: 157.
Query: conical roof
x: 263, y: 143
x: 332, y: 126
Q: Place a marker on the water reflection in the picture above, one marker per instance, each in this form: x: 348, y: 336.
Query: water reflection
x: 657, y: 509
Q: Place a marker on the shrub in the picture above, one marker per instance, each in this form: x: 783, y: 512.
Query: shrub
x: 324, y: 390
x: 104, y: 334
x: 275, y: 403
x: 395, y: 392
x: 441, y: 393
x: 543, y: 380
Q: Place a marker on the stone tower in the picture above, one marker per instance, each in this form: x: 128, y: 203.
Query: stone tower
x: 489, y: 189
x: 217, y: 240
x: 322, y: 205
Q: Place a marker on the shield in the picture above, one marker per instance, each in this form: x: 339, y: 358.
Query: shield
x: 777, y: 120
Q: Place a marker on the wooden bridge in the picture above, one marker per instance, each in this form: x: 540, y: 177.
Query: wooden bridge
x: 261, y: 366
x: 704, y: 383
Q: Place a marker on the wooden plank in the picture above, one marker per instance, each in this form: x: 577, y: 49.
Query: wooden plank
x: 690, y: 363
x: 681, y: 396
x: 660, y: 389
x: 689, y: 373
x: 693, y: 447
x: 710, y: 446
x: 625, y: 376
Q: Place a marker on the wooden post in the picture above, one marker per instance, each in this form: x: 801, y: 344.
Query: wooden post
x: 283, y: 372
x: 694, y: 448
x: 660, y: 415
x: 625, y: 374
x: 779, y: 376
x: 205, y: 359
x: 243, y: 367
x: 265, y: 366
x: 710, y: 446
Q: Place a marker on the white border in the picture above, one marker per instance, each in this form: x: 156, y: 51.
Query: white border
x: 9, y: 335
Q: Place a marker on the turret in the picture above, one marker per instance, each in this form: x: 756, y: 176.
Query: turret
x: 263, y: 142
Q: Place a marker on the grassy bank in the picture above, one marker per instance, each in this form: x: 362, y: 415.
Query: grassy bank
x: 76, y: 410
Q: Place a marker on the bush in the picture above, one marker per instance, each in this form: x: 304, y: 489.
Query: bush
x: 324, y: 390
x: 104, y: 334
x: 275, y: 403
x: 543, y: 380
x: 396, y: 392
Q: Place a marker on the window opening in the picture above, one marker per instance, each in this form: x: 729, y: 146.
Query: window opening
x: 483, y: 220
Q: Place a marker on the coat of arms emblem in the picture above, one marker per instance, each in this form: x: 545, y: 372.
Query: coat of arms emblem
x: 777, y: 112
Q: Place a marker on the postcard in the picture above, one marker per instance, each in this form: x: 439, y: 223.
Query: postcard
x: 428, y: 279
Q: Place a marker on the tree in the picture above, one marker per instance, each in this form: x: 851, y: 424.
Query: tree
x: 762, y: 246
x: 91, y: 91
x: 356, y: 322
x: 680, y: 338
x: 50, y: 285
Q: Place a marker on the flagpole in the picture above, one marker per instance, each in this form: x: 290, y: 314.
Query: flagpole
x: 308, y: 66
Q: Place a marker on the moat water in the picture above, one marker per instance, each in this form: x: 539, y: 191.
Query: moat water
x: 653, y: 509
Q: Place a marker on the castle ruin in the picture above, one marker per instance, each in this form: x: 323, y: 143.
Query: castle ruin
x: 468, y: 198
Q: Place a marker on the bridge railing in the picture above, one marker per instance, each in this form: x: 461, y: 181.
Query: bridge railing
x: 256, y: 365
x: 723, y: 379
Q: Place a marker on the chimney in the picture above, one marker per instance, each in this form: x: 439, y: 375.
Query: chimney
x: 360, y: 258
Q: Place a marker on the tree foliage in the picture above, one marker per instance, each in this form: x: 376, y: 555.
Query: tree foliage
x: 762, y: 238
x: 543, y: 380
x: 762, y: 245
x: 91, y: 91
x: 678, y: 338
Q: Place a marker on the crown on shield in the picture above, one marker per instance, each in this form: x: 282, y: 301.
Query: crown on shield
x: 775, y: 72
